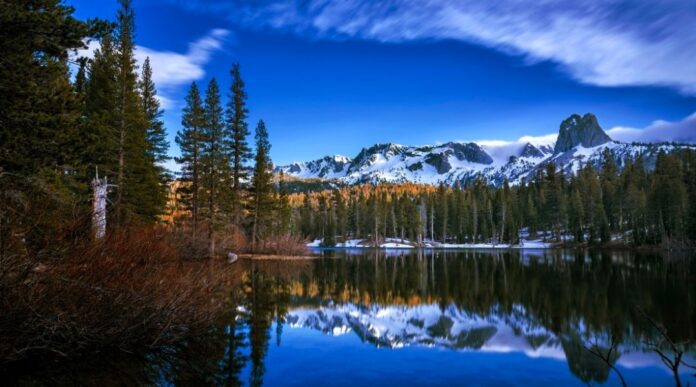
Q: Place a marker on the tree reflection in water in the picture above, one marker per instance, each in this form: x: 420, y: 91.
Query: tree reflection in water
x: 575, y: 303
x: 581, y: 299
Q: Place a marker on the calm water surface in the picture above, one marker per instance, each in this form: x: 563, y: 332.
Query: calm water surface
x: 367, y: 317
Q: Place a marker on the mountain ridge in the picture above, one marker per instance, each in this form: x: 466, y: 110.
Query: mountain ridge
x: 580, y: 140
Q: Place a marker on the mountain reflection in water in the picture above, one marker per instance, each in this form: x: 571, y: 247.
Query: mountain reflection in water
x: 289, y: 320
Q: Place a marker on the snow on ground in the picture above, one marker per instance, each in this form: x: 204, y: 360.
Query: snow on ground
x: 314, y: 243
x: 350, y: 243
x: 394, y: 243
x: 534, y: 244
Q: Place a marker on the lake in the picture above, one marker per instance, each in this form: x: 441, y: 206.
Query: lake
x: 436, y: 317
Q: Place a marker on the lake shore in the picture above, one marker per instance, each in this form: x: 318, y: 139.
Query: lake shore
x: 535, y: 244
x: 277, y: 257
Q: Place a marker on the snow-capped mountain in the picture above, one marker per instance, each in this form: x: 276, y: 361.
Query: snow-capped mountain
x: 329, y: 167
x: 580, y: 140
x: 396, y: 326
x: 424, y: 325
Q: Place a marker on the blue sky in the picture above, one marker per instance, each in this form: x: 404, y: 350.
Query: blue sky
x: 330, y: 77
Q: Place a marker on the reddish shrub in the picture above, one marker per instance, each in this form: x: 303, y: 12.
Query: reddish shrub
x: 288, y: 245
x: 129, y: 292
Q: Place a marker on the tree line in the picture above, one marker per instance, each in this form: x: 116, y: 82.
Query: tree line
x: 616, y: 200
x: 65, y: 120
x: 217, y: 187
x: 59, y: 131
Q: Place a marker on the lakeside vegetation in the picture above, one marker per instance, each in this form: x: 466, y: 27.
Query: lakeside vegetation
x: 69, y: 124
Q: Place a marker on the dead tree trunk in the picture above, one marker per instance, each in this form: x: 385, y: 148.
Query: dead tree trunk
x: 99, y: 191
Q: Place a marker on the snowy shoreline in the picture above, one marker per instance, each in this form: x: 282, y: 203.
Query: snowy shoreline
x: 392, y: 243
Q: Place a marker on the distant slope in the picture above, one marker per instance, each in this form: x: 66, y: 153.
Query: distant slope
x: 580, y: 140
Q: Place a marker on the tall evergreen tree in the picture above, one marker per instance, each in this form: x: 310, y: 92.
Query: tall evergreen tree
x: 190, y: 141
x: 80, y: 83
x: 341, y: 213
x: 139, y: 193
x: 668, y: 197
x: 156, y: 133
x: 576, y: 213
x: 215, y: 167
x: 99, y: 136
x: 239, y: 148
x: 40, y: 120
x: 262, y: 186
x: 610, y: 187
x: 39, y: 112
x: 284, y: 211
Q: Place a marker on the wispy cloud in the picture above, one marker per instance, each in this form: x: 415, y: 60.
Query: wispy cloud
x: 501, y: 149
x: 171, y: 70
x: 677, y: 131
x: 605, y: 43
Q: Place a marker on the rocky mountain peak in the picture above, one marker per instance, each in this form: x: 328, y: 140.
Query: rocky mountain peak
x: 530, y: 150
x: 576, y: 130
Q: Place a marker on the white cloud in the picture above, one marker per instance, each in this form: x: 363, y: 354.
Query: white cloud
x: 500, y: 150
x: 170, y: 69
x: 174, y: 69
x: 543, y: 140
x: 606, y: 43
x: 678, y: 131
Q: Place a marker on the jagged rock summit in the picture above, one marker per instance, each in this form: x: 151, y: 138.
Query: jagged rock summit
x: 329, y: 167
x: 576, y: 130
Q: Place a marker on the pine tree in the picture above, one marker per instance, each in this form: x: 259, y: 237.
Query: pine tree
x: 531, y: 208
x: 39, y: 110
x: 237, y: 127
x: 576, y: 213
x: 262, y: 186
x: 99, y: 136
x: 156, y: 133
x: 80, y: 83
x: 307, y: 217
x: 190, y: 141
x: 42, y: 181
x: 668, y: 197
x: 635, y: 181
x: 284, y: 211
x: 215, y: 168
x: 441, y: 213
x: 341, y: 213
x: 329, y: 222
x: 609, y: 184
x: 689, y: 157
x: 139, y: 192
x: 554, y: 206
